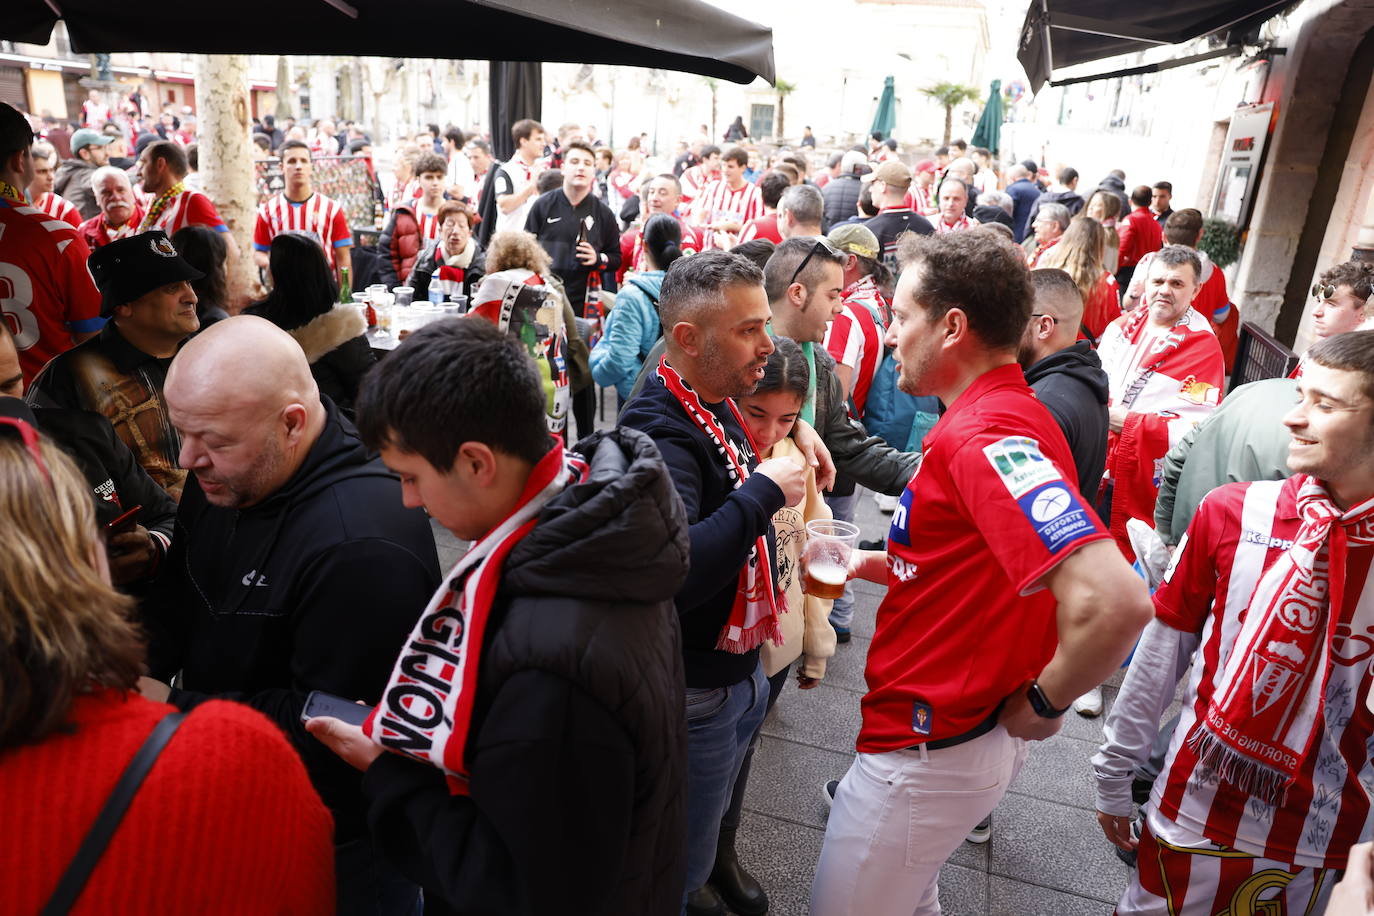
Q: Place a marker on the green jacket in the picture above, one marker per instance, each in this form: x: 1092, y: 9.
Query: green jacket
x: 1243, y: 439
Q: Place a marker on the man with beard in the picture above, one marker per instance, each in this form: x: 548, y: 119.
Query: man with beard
x: 295, y: 566
x: 73, y: 179
x: 119, y: 214
x: 1006, y: 598
x: 715, y: 317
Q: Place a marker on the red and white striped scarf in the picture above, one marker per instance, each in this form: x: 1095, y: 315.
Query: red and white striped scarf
x: 1262, y: 720
x: 754, y: 615
x: 426, y: 709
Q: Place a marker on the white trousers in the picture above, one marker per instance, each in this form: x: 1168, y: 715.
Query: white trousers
x: 898, y: 816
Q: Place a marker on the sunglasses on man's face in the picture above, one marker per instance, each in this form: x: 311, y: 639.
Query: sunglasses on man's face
x: 1324, y: 292
x: 821, y: 245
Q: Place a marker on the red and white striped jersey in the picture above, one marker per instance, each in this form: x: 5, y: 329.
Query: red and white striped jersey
x: 694, y: 181
x: 719, y: 203
x: 189, y: 208
x: 1239, y: 531
x: 317, y: 216
x: 962, y: 223
x: 428, y: 222
x: 919, y: 199
x: 58, y: 207
x: 855, y: 337
x: 404, y: 193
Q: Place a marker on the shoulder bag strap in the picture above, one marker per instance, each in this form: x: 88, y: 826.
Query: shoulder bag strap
x: 74, y: 879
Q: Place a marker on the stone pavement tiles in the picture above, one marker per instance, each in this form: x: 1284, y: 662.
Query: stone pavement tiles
x: 1047, y: 855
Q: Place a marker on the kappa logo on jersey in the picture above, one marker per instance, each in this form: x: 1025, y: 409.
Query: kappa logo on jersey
x: 901, y: 522
x: 1056, y: 514
x: 1020, y: 464
x: 1273, y: 543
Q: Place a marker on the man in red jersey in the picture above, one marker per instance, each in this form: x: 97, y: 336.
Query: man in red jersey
x: 41, y: 188
x: 300, y: 208
x: 664, y: 196
x: 47, y: 296
x: 771, y: 187
x: 1267, y: 780
x: 171, y: 206
x: 726, y: 204
x: 1006, y: 597
x: 119, y: 214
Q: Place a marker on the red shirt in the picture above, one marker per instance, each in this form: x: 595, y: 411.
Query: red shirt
x: 317, y: 216
x: 59, y: 207
x: 1104, y: 306
x: 993, y: 507
x: 632, y: 248
x: 46, y: 292
x: 96, y: 233
x: 189, y: 208
x: 1238, y: 532
x: 1140, y: 235
x: 765, y: 227
x: 855, y: 337
x: 252, y: 837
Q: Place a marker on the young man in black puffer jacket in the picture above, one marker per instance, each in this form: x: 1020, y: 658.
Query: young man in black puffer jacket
x: 535, y: 714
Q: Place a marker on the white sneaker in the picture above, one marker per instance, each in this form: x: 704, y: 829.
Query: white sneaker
x: 887, y: 504
x: 1089, y: 705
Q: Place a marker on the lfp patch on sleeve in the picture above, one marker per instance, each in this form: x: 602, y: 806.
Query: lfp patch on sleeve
x: 1056, y: 515
x: 1020, y: 465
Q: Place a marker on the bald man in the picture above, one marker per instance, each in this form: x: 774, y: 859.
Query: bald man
x: 295, y: 566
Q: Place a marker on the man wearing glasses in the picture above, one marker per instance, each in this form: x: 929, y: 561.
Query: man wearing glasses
x: 1341, y: 294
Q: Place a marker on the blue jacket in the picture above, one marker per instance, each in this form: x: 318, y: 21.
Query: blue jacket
x: 1024, y: 195
x: 632, y: 329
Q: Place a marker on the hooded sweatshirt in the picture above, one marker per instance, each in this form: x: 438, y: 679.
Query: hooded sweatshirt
x: 1071, y: 199
x: 1074, y: 388
x: 73, y: 181
x: 315, y: 588
x: 632, y: 329
x: 577, y: 743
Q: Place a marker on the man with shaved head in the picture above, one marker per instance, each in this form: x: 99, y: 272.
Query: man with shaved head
x: 295, y: 565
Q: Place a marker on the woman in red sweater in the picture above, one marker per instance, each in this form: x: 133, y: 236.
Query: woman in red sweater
x: 225, y: 822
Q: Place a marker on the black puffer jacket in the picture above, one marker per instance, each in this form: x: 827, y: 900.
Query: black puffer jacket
x: 577, y: 747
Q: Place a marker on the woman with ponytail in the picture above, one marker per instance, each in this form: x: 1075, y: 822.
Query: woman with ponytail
x: 633, y: 326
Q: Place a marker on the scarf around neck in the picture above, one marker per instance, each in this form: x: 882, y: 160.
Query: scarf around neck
x: 1263, y: 718
x: 426, y: 708
x: 157, y: 206
x: 754, y: 614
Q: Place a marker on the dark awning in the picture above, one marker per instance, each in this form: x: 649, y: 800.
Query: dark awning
x: 687, y: 35
x: 1061, y: 33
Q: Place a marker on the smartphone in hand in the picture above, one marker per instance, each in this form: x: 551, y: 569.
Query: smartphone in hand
x: 125, y: 523
x: 320, y: 703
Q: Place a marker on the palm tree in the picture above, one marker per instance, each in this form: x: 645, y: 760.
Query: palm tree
x: 783, y: 88
x: 951, y: 96
x: 714, y: 85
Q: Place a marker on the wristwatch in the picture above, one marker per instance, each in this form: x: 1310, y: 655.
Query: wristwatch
x: 1041, y: 703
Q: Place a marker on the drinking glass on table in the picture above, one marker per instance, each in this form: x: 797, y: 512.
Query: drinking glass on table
x: 829, y: 547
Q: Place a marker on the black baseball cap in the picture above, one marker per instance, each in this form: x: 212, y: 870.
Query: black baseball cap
x: 133, y: 267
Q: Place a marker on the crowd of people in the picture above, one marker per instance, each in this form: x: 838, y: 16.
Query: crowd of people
x: 220, y: 520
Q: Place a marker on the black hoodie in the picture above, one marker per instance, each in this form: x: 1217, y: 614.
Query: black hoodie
x: 577, y: 745
x: 315, y: 588
x: 1073, y: 387
x: 1070, y: 199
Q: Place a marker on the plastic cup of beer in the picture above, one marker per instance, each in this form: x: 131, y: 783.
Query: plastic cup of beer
x: 829, y: 546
